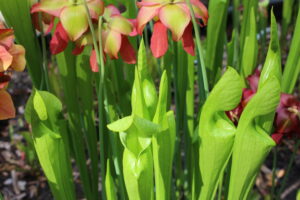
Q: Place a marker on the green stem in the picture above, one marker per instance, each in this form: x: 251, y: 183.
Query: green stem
x: 44, y: 53
x: 99, y: 57
x: 289, y: 167
x: 203, y: 83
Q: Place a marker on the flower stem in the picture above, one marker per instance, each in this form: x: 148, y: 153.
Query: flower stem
x: 99, y: 57
x: 203, y: 83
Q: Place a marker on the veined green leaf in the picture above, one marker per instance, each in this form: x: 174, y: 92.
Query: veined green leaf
x: 250, y: 48
x: 109, y: 184
x: 248, y: 6
x: 49, y: 136
x: 163, y: 143
x: 286, y: 17
x: 217, y: 132
x: 292, y: 66
x: 138, y: 103
x: 252, y: 143
x: 148, y: 86
x: 215, y: 38
x: 138, y: 175
x: 272, y: 67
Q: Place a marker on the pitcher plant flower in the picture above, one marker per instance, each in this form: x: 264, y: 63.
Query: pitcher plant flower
x: 115, y: 30
x: 69, y: 13
x: 12, y: 57
x: 287, y: 121
x: 174, y: 15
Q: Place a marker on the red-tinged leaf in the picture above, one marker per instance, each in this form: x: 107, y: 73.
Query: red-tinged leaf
x: 188, y: 40
x: 59, y: 40
x: 5, y: 59
x: 93, y: 61
x: 7, y: 109
x: 127, y: 52
x: 159, y: 40
x: 77, y: 50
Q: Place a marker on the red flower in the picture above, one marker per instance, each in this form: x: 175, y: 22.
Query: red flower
x: 169, y: 14
x: 287, y: 121
x: 115, y: 29
x: 73, y: 22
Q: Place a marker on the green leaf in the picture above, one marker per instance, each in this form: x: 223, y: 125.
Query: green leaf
x: 292, y: 66
x: 138, y: 103
x: 272, y: 65
x: 49, y: 136
x: 215, y: 37
x: 138, y: 175
x: 252, y: 143
x: 250, y: 48
x: 217, y: 132
x: 148, y: 86
x: 163, y: 143
x: 39, y: 106
x: 109, y: 184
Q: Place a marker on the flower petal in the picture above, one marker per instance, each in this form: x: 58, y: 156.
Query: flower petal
x: 176, y: 17
x: 5, y: 59
x: 93, y: 61
x: 77, y: 50
x: 149, y: 3
x: 4, y: 79
x: 159, y: 40
x: 111, y: 10
x: 112, y: 43
x: 74, y: 21
x: 200, y: 10
x: 59, y: 40
x: 52, y: 7
x: 145, y: 15
x: 188, y: 41
x: 120, y: 24
x: 127, y: 51
x: 7, y: 109
x: 19, y: 61
x: 134, y: 30
x: 96, y: 8
x: 6, y: 37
